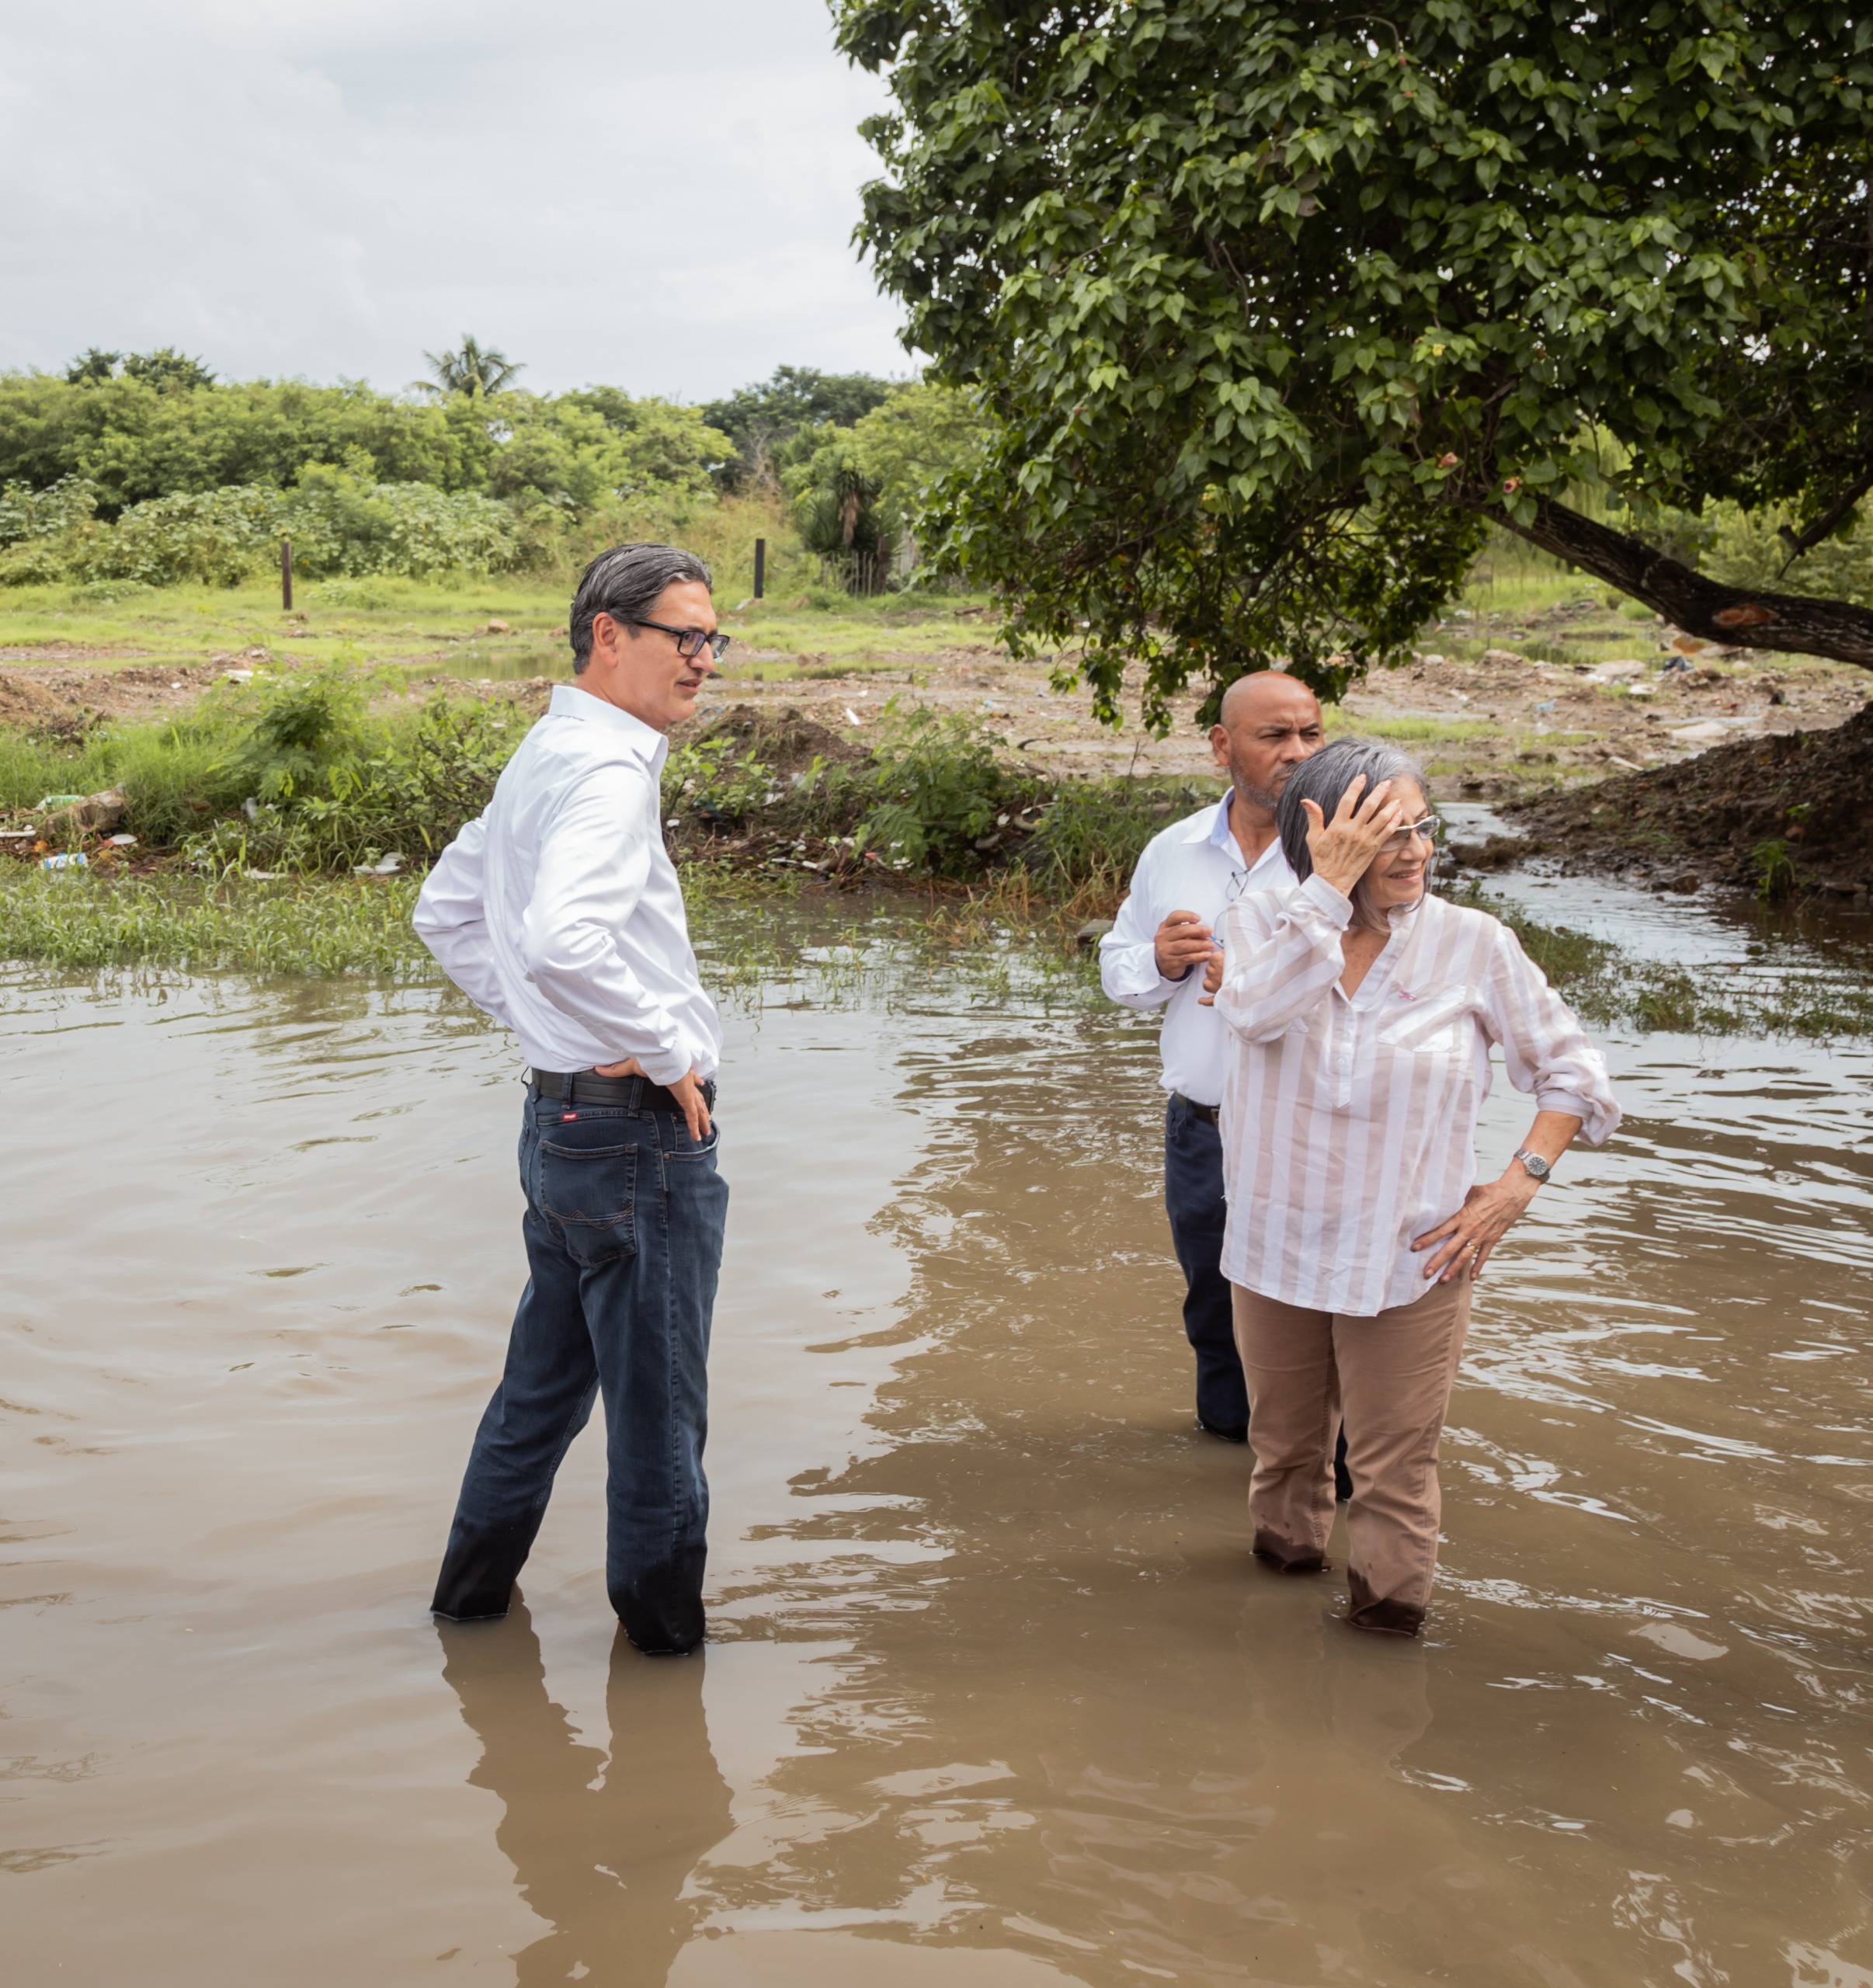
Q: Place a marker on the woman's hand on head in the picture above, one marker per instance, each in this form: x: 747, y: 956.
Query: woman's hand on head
x: 1343, y: 848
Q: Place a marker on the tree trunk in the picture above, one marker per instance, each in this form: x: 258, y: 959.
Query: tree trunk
x: 1700, y: 606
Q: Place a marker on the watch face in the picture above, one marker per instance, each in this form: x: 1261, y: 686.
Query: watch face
x: 1535, y: 1164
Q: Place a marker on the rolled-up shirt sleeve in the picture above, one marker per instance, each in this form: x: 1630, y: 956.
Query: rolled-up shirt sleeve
x: 1128, y: 954
x: 1544, y: 1049
x: 1282, y: 953
x: 595, y: 857
x: 451, y: 919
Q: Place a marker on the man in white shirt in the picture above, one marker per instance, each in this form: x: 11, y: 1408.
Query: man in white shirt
x: 1154, y: 957
x: 558, y: 912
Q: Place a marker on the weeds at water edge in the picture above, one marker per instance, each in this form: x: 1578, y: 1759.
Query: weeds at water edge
x: 763, y: 943
x: 1606, y: 985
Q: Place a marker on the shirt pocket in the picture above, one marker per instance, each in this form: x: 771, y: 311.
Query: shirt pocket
x: 1433, y: 1025
x: 590, y: 1194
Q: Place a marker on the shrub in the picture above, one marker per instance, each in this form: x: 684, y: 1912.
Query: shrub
x: 216, y: 538
x: 41, y: 531
x: 342, y: 525
x: 1774, y: 862
x: 339, y: 525
x: 716, y: 783
x: 934, y: 794
x: 50, y: 513
x: 1095, y: 834
x: 331, y: 791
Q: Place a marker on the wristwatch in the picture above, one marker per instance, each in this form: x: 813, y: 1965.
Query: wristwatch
x: 1533, y: 1164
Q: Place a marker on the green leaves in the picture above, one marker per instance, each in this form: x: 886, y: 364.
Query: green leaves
x: 1234, y: 281
x: 137, y: 436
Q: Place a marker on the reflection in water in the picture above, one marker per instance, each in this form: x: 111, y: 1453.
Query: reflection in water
x: 997, y: 1695
x: 1092, y: 1718
x: 602, y: 1847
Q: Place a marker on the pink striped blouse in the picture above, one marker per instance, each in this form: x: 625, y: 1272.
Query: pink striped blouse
x: 1349, y: 1125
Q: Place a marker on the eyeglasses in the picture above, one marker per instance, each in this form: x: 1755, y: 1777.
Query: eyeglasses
x: 1427, y: 830
x: 689, y: 641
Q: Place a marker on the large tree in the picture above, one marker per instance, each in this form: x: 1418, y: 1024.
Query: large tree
x: 1273, y: 308
x: 762, y: 420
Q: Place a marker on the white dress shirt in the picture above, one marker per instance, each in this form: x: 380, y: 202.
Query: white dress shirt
x: 1349, y: 1125
x: 1194, y: 865
x: 558, y: 910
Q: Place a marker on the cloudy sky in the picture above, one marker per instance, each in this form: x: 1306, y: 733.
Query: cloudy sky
x: 655, y: 193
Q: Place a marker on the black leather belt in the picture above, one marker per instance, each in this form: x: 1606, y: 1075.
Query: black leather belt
x: 634, y: 1093
x: 1211, y: 1114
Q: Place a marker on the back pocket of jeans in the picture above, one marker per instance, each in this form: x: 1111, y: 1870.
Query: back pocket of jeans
x: 591, y: 1192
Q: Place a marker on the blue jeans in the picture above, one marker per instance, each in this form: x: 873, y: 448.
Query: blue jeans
x: 624, y: 1233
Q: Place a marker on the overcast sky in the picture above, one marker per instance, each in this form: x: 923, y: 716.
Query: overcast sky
x: 657, y: 194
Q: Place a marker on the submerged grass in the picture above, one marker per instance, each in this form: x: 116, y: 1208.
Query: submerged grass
x: 766, y: 942
x: 1607, y: 986
x: 85, y: 919
x: 760, y: 943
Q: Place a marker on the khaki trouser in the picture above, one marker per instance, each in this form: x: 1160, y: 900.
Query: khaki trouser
x: 1391, y: 1377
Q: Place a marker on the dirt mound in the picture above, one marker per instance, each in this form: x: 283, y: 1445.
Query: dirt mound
x: 28, y: 704
x: 787, y: 741
x: 57, y: 702
x: 1810, y: 791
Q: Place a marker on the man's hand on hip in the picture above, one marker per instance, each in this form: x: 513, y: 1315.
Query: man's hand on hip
x: 1182, y: 942
x: 687, y: 1091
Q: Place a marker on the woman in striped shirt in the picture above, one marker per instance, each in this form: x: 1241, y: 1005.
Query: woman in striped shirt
x: 1361, y: 1012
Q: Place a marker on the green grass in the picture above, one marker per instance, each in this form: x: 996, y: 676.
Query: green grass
x: 1411, y: 731
x: 79, y: 919
x: 758, y: 940
x: 317, y: 926
x: 761, y: 940
x: 440, y: 627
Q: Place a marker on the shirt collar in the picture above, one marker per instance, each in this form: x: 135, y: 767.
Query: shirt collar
x: 650, y: 746
x: 1212, y: 826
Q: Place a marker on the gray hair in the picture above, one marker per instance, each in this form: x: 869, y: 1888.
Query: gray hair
x: 625, y: 583
x: 1323, y: 779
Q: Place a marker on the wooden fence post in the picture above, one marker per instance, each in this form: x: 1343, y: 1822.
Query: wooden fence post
x: 760, y: 567
x: 286, y: 576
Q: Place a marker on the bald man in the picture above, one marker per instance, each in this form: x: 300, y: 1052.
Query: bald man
x: 1153, y: 957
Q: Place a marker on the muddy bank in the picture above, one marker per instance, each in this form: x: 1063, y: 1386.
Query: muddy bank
x: 1795, y: 810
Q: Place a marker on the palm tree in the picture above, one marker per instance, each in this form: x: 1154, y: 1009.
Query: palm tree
x: 474, y: 370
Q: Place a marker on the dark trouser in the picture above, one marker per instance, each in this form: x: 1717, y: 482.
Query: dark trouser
x: 623, y: 1232
x: 1193, y: 1200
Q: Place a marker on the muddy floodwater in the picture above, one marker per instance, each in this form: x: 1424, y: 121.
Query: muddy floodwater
x: 994, y: 1696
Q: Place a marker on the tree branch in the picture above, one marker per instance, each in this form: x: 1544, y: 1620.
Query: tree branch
x: 1798, y: 543
x: 1688, y: 600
